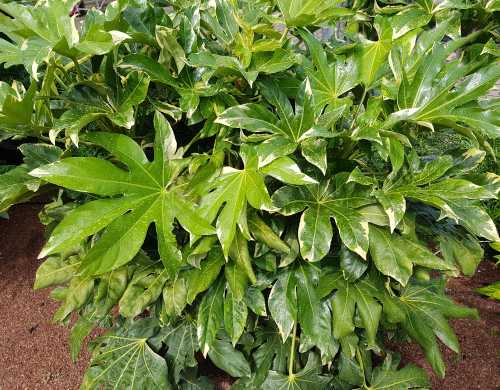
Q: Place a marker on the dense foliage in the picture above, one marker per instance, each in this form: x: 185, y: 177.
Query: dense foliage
x: 231, y: 197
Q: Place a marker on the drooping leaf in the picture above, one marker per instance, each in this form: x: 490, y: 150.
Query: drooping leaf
x: 293, y: 298
x: 211, y: 313
x: 425, y: 306
x: 144, y: 288
x: 224, y: 356
x: 182, y: 342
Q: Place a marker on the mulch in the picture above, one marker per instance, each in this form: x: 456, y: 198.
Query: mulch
x: 34, y: 353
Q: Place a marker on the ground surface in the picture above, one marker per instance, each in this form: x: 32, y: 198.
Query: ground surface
x: 34, y: 353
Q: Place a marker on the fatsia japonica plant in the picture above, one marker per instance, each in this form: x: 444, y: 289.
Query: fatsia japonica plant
x: 231, y: 197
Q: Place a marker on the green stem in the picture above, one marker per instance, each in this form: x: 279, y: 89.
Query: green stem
x: 37, y: 127
x: 353, y: 123
x: 284, y: 34
x: 65, y: 73
x: 136, y: 111
x: 468, y: 38
x: 61, y: 83
x: 143, y: 117
x: 290, y: 368
x: 193, y: 140
x: 78, y: 69
x: 62, y: 140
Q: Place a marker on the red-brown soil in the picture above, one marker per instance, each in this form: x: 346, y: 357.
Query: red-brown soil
x: 32, y: 349
x: 478, y: 365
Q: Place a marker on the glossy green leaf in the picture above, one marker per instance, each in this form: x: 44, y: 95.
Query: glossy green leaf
x: 235, y: 316
x: 145, y: 190
x: 322, y: 202
x: 330, y: 81
x: 425, y: 306
x: 127, y: 360
x: 200, y: 279
x: 182, y: 342
x: 385, y: 375
x: 224, y: 356
x: 55, y: 270
x: 234, y: 188
x: 493, y: 290
x: 80, y: 290
x: 308, y: 378
x: 211, y: 313
x: 111, y: 288
x: 293, y: 298
x: 144, y: 288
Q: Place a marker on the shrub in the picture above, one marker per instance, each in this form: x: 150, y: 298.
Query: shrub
x: 231, y: 192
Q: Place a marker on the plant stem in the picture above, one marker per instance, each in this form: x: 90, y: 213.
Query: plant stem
x: 63, y: 139
x: 353, y: 123
x: 136, y: 111
x: 193, y: 140
x: 143, y: 117
x: 290, y: 368
x: 78, y: 69
x: 65, y: 73
x: 61, y: 83
x: 284, y: 34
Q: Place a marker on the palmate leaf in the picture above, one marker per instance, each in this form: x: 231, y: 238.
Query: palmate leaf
x: 372, y: 55
x: 434, y: 99
x: 308, y: 378
x: 425, y: 306
x: 271, y: 353
x: 456, y: 197
x: 17, y: 185
x: 293, y: 298
x: 267, y: 62
x: 48, y: 27
x: 191, y: 381
x: 182, y: 342
x: 145, y: 191
x: 386, y: 377
x: 17, y: 110
x: 144, y: 18
x: 188, y: 84
x: 127, y: 360
x: 235, y: 188
x: 86, y: 105
x: 365, y: 294
x: 344, y: 303
x: 298, y: 13
x: 289, y: 131
x: 323, y: 202
x: 36, y: 50
x: 330, y: 81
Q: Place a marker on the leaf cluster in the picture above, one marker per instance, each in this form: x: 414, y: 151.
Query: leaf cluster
x: 233, y: 203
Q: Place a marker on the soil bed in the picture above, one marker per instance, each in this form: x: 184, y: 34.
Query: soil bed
x: 34, y: 353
